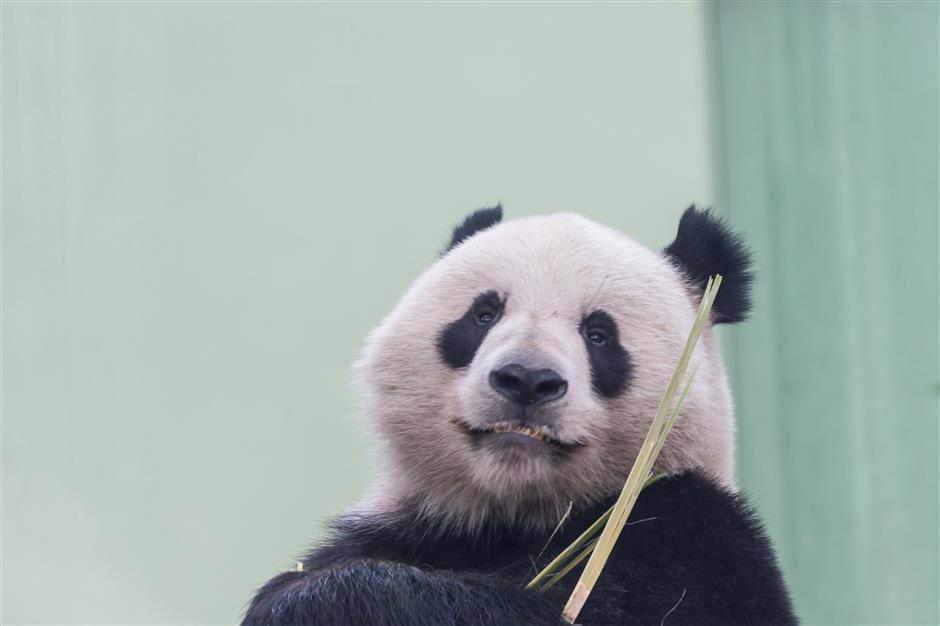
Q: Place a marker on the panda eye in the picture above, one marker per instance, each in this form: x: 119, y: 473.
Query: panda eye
x: 485, y: 317
x: 597, y: 336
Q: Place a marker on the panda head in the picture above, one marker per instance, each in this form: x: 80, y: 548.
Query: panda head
x: 521, y: 371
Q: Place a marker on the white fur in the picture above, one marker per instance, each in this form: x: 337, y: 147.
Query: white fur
x: 552, y: 271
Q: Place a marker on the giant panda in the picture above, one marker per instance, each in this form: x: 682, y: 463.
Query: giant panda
x: 511, y: 388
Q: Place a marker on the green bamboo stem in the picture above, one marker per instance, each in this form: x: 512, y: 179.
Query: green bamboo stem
x: 658, y: 430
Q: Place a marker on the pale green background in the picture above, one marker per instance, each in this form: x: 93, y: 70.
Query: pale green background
x: 828, y: 118
x: 207, y: 206
x: 205, y: 209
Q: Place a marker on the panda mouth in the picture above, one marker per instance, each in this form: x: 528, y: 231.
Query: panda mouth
x: 536, y: 434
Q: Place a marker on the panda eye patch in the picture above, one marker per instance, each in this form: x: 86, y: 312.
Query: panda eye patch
x: 610, y: 362
x: 458, y: 342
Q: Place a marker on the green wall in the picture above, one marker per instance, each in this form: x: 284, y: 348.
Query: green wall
x: 206, y: 206
x: 828, y: 118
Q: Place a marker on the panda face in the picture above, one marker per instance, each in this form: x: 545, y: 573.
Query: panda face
x: 521, y: 372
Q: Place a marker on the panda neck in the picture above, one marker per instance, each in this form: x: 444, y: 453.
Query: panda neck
x: 419, y: 527
x: 474, y: 514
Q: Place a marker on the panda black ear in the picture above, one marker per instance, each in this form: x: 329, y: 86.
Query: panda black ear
x: 705, y: 246
x: 481, y: 219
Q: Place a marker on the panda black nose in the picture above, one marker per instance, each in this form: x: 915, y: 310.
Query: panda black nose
x: 526, y: 386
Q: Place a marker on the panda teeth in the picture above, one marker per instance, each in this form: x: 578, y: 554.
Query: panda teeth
x: 522, y: 430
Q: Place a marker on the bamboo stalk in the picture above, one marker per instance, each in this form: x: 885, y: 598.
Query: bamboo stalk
x: 659, y: 428
x: 560, y: 560
x: 571, y: 565
x: 567, y: 553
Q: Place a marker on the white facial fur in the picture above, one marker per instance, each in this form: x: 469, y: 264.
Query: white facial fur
x: 552, y: 271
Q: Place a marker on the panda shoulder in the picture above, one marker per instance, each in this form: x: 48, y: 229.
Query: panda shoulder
x: 690, y: 527
x: 692, y: 506
x: 394, y: 535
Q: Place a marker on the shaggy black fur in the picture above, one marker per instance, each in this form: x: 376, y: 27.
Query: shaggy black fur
x: 705, y: 246
x: 481, y: 219
x: 610, y: 363
x: 692, y: 553
x: 458, y: 342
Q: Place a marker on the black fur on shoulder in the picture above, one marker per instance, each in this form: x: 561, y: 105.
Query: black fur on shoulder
x: 705, y: 246
x: 481, y: 219
x: 368, y: 592
x: 692, y: 553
